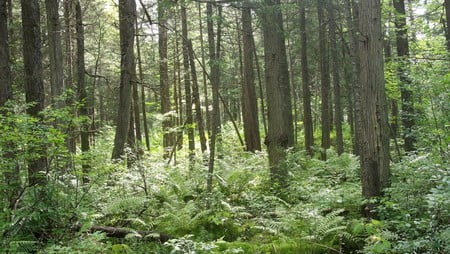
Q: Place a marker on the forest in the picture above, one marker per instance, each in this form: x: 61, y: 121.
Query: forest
x: 225, y: 126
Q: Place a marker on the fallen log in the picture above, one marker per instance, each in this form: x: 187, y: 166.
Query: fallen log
x: 123, y: 232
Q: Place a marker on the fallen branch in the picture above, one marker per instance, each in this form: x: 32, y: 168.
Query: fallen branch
x: 123, y: 232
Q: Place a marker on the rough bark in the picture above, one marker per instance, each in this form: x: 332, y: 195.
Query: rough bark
x: 280, y: 133
x: 127, y: 16
x: 249, y: 102
x: 307, y: 115
x: 374, y: 139
x: 324, y: 80
x: 55, y: 52
x: 34, y: 85
x: 407, y: 101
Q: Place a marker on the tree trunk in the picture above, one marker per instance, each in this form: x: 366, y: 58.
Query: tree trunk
x: 351, y: 14
x: 374, y: 139
x: 280, y: 134
x: 187, y: 83
x: 249, y: 102
x: 407, y: 101
x: 336, y: 79
x: 168, y: 139
x: 143, y: 106
x: 307, y: 115
x: 55, y: 52
x: 127, y: 16
x: 34, y: 85
x: 214, y: 56
x: 324, y: 80
x: 196, y: 96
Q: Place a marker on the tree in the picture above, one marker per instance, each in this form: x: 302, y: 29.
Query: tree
x: 280, y: 133
x: 168, y: 138
x: 55, y: 52
x: 249, y: 103
x: 407, y: 101
x: 34, y: 84
x: 374, y: 131
x: 81, y: 85
x: 324, y: 80
x: 307, y: 116
x: 127, y: 16
x: 336, y: 79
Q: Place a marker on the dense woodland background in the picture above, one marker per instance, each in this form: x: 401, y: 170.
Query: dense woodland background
x: 223, y: 126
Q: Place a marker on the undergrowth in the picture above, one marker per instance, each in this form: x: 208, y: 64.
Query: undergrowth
x: 319, y: 211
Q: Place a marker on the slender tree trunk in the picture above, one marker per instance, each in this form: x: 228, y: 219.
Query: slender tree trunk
x: 34, y: 84
x: 407, y: 100
x: 280, y: 134
x: 214, y: 56
x: 307, y: 115
x: 82, y: 94
x: 69, y: 11
x: 141, y: 79
x: 336, y: 79
x: 324, y: 80
x: 249, y: 102
x: 55, y: 52
x: 127, y: 16
x: 10, y: 167
x: 187, y: 83
x: 374, y: 140
x: 196, y: 97
x: 351, y: 10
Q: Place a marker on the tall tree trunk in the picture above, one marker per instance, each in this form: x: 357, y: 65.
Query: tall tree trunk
x: 407, y: 100
x: 324, y: 80
x: 55, y: 52
x: 187, y: 83
x: 249, y: 103
x: 307, y: 115
x: 205, y: 83
x: 34, y: 85
x: 280, y: 134
x: 196, y: 97
x: 168, y: 139
x: 141, y: 79
x: 336, y: 79
x: 10, y: 167
x: 69, y: 11
x: 374, y: 139
x: 127, y: 16
x: 351, y: 13
x: 82, y: 94
x: 214, y: 56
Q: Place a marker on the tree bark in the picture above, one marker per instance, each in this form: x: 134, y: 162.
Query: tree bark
x: 280, y: 134
x: 249, y: 102
x: 407, y: 100
x: 374, y: 139
x: 168, y: 137
x: 34, y: 84
x: 127, y: 16
x: 187, y: 83
x: 55, y: 52
x: 307, y: 115
x: 336, y: 78
x: 324, y: 80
